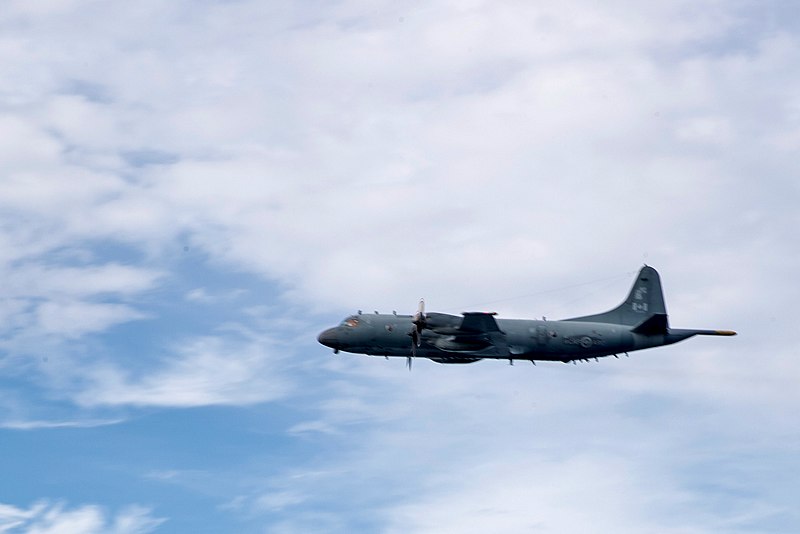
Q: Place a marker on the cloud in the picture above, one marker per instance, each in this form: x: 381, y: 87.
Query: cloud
x: 68, y: 302
x: 203, y: 372
x: 202, y: 295
x: 551, y: 447
x: 531, y: 496
x: 38, y: 425
x: 277, y: 501
x: 459, y: 177
x: 36, y: 280
x: 260, y: 202
x: 55, y: 518
x: 74, y: 319
x: 467, y: 153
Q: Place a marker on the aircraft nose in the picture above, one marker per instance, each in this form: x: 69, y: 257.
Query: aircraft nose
x: 329, y: 338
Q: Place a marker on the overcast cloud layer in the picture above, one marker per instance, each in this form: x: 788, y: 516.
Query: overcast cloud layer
x: 190, y: 191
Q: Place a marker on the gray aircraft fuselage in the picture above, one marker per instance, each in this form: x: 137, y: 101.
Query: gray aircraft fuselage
x: 638, y: 323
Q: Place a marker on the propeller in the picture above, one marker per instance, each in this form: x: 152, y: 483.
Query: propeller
x: 418, y: 320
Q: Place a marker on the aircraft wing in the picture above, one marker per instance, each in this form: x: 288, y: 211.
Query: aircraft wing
x: 478, y: 323
x: 475, y: 333
x: 478, y: 334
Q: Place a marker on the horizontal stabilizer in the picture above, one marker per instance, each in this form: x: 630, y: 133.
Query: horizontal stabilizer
x: 653, y: 325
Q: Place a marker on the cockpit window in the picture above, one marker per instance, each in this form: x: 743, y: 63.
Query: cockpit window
x: 350, y: 321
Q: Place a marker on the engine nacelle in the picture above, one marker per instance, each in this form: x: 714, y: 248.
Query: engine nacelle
x: 461, y: 344
x: 442, y: 323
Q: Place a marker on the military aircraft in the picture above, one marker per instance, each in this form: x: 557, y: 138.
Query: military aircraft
x: 638, y: 323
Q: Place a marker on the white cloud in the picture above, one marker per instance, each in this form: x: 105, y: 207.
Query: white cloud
x: 86, y: 281
x: 312, y: 173
x: 206, y: 371
x: 705, y: 130
x: 265, y: 206
x: 12, y: 517
x: 610, y: 445
x: 62, y: 301
x: 46, y: 305
x: 464, y: 152
x: 38, y: 424
x: 73, y: 319
x: 270, y: 502
x: 24, y: 144
x: 49, y: 518
x: 586, y: 493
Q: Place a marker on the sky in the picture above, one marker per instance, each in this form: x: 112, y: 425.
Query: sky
x: 190, y: 191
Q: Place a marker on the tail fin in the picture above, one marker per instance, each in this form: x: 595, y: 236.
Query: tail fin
x: 644, y: 306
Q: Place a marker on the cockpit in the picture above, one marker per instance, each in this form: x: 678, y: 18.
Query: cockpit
x: 350, y: 322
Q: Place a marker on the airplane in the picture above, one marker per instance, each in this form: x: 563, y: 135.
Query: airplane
x: 640, y: 322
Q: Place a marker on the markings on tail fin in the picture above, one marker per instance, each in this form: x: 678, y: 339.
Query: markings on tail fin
x: 640, y: 295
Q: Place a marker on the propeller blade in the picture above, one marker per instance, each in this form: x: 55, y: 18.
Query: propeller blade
x: 416, y: 339
x: 418, y: 320
x: 419, y: 317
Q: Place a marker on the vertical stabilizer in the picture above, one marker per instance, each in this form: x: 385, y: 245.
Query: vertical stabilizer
x: 644, y: 302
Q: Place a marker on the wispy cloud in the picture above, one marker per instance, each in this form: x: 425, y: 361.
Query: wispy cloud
x: 55, y: 518
x: 39, y: 424
x: 89, y: 280
x: 205, y: 371
x: 556, y: 448
x: 67, y: 301
x: 362, y: 158
x: 73, y: 319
